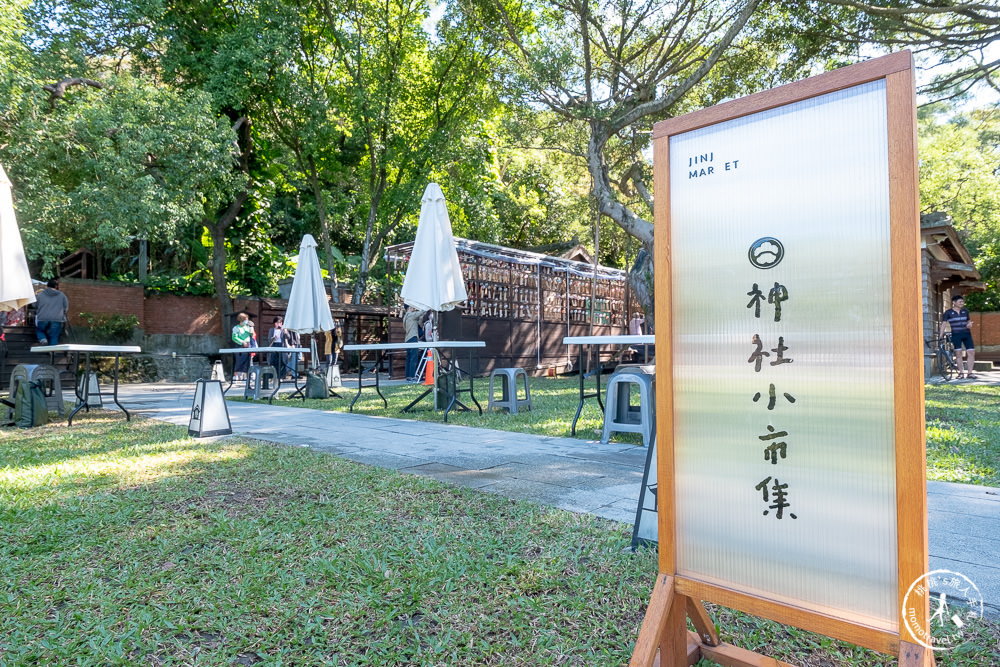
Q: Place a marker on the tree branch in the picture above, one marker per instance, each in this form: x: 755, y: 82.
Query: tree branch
x: 681, y: 89
x: 57, y: 90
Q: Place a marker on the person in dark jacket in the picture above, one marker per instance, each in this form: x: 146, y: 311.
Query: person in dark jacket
x: 51, y: 310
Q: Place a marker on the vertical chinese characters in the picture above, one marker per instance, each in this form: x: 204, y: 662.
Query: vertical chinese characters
x: 764, y: 254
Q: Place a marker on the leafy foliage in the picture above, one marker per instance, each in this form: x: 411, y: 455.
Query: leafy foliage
x: 268, y: 119
x: 960, y: 176
x: 113, y: 165
x: 110, y: 328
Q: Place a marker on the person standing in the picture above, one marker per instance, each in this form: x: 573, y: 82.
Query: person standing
x: 292, y: 339
x: 635, y: 324
x: 333, y: 342
x: 243, y: 337
x: 50, y: 313
x: 278, y: 337
x: 957, y: 317
x: 411, y: 334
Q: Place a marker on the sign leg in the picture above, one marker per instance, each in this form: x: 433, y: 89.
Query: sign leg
x: 914, y: 655
x: 663, y: 635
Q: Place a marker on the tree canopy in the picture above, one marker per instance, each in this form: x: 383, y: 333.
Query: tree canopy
x: 220, y: 133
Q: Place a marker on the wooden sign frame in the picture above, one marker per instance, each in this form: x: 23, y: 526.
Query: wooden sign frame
x: 663, y: 637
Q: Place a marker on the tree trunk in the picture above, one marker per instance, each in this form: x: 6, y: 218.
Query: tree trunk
x: 640, y: 279
x: 324, y: 229
x: 142, y: 266
x: 366, y: 249
x: 218, y: 229
x: 641, y: 273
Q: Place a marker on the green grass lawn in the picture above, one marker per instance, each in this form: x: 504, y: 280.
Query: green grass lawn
x: 963, y: 434
x: 133, y: 544
x: 554, y: 402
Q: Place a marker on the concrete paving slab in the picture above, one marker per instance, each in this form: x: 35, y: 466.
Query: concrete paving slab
x: 475, y: 479
x: 613, y: 512
x: 629, y: 456
x: 958, y: 489
x: 434, y: 468
x: 524, y: 489
x: 587, y: 478
x: 385, y: 460
x: 982, y: 507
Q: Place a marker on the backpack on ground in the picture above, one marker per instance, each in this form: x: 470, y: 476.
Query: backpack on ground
x: 315, y: 386
x: 30, y: 408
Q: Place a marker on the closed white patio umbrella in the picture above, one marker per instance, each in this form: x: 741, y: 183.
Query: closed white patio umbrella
x: 16, y: 289
x: 434, y: 276
x: 308, y: 311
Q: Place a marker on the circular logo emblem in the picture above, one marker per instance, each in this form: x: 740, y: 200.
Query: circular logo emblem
x: 766, y: 253
x: 955, y: 604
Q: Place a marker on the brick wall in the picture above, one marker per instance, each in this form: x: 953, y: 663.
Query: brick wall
x: 157, y: 314
x: 986, y: 330
x: 88, y: 296
x: 171, y: 314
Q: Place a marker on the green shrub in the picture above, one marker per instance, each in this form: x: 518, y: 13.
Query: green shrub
x: 106, y: 328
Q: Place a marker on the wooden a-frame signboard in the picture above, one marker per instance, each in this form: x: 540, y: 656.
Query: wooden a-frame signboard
x: 790, y: 429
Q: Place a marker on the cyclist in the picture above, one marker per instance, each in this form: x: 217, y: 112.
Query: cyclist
x: 961, y: 335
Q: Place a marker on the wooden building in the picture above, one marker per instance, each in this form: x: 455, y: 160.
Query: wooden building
x: 947, y: 269
x: 522, y: 304
x: 360, y: 323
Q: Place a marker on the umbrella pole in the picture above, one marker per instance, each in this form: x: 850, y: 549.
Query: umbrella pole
x: 437, y: 359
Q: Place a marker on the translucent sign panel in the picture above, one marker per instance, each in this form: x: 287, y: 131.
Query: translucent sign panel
x: 783, y: 370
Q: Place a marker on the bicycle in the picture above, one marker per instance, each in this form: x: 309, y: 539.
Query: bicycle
x: 945, y: 360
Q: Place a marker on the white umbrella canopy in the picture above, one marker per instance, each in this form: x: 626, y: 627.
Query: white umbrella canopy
x: 308, y: 310
x: 15, y: 280
x: 434, y: 276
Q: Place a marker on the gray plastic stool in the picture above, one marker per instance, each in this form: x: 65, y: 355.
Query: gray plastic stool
x: 620, y: 415
x: 258, y: 378
x: 508, y: 385
x: 45, y: 374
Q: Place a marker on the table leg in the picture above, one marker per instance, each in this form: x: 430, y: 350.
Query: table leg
x: 76, y: 372
x: 277, y: 385
x: 378, y: 384
x: 579, y: 408
x: 114, y: 395
x: 471, y: 376
x: 583, y: 379
x: 378, y: 390
x: 418, y: 399
x: 453, y: 372
x: 82, y: 399
x: 246, y: 387
x: 232, y: 376
x: 361, y: 368
x: 299, y: 391
x: 597, y: 375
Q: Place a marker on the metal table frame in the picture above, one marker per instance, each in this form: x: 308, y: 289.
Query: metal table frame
x: 299, y: 391
x: 593, y: 343
x: 82, y: 397
x: 379, y: 348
